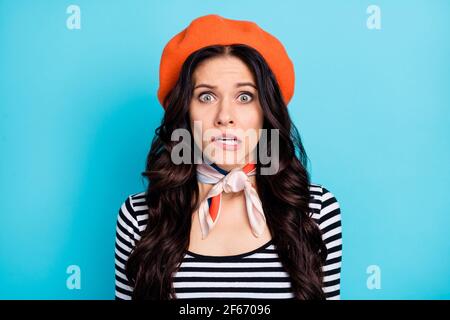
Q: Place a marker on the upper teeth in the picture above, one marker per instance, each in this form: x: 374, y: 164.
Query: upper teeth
x: 228, y: 140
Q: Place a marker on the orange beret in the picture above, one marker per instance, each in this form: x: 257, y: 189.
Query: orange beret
x: 215, y: 30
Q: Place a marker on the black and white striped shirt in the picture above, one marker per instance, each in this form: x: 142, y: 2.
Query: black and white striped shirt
x: 255, y: 274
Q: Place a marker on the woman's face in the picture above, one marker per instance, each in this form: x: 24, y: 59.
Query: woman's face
x: 225, y: 112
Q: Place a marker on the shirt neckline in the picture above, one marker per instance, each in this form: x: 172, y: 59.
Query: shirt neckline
x: 241, y: 255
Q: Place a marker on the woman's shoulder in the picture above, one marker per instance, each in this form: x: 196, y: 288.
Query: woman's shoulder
x: 324, y: 205
x: 322, y: 193
x: 133, y: 213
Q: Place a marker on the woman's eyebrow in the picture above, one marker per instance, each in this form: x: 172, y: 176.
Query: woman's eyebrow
x: 239, y: 84
x: 204, y: 85
x: 242, y: 84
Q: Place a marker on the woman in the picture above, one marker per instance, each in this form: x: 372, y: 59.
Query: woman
x: 223, y: 227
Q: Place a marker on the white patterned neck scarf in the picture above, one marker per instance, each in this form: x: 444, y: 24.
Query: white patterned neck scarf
x: 233, y: 181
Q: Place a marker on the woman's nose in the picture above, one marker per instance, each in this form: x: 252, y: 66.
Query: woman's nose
x: 224, y: 122
x: 224, y: 116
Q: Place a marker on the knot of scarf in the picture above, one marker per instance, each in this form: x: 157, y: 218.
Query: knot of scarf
x: 235, y: 180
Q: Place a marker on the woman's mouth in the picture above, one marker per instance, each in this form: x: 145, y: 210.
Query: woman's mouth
x: 227, y: 142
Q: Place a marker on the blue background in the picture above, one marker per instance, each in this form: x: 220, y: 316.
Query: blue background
x: 78, y: 110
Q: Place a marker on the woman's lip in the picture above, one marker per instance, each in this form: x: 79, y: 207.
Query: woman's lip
x: 232, y: 146
x: 228, y: 137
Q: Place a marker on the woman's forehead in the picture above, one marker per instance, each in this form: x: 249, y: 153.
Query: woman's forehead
x: 216, y: 70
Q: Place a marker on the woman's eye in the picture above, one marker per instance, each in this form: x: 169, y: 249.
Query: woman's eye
x: 205, y: 97
x: 245, y: 97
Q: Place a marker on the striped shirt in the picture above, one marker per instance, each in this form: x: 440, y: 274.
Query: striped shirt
x: 255, y: 274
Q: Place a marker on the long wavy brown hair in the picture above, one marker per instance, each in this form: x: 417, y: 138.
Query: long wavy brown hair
x: 173, y: 193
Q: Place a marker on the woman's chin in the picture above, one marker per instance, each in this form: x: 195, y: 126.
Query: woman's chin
x: 231, y: 164
x: 229, y: 159
x: 226, y: 158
